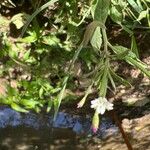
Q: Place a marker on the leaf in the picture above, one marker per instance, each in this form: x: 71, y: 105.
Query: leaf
x: 142, y: 15
x: 139, y: 4
x: 18, y: 108
x: 13, y: 53
x: 86, y: 38
x: 134, y: 47
x: 50, y: 40
x: 120, y: 79
x: 116, y: 15
x: 131, y: 58
x: 111, y: 80
x: 148, y: 18
x: 96, y: 40
x: 26, y: 55
x: 140, y: 65
x: 29, y: 103
x: 38, y: 10
x: 41, y: 91
x: 100, y: 10
x: 82, y: 101
x: 29, y: 39
x: 37, y: 109
x: 123, y: 51
x: 90, y: 31
x: 6, y: 101
x: 148, y: 1
x: 135, y: 5
x: 50, y: 104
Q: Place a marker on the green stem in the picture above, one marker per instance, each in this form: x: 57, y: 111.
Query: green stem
x: 104, y: 78
x: 75, y: 57
x: 105, y: 41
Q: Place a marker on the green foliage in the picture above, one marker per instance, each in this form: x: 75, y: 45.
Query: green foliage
x: 47, y: 52
x: 100, y: 10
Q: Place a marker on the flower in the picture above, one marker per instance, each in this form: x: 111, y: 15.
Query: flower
x: 101, y: 104
x: 81, y: 103
x: 95, y: 122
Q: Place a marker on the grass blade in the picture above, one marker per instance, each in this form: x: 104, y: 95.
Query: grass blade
x: 60, y: 97
x: 35, y: 13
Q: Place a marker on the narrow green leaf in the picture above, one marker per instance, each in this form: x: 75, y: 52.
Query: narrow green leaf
x: 29, y: 103
x: 140, y: 65
x: 38, y: 10
x: 147, y: 1
x: 134, y: 5
x: 82, y: 101
x: 18, y: 108
x: 131, y: 58
x: 50, y: 104
x: 29, y: 39
x: 123, y: 52
x: 120, y: 79
x: 148, y: 17
x: 111, y: 80
x: 41, y: 91
x: 134, y: 47
x: 139, y: 4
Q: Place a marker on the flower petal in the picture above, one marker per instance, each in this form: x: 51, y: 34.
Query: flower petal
x: 95, y: 101
x: 102, y: 110
x: 109, y: 107
x: 101, y: 104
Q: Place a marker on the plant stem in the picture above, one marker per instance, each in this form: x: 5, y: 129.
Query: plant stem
x: 105, y: 41
x: 118, y: 123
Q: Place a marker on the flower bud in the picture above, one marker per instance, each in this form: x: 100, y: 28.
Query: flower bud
x: 81, y: 103
x: 95, y: 122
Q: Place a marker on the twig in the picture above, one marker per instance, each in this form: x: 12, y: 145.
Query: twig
x: 121, y: 130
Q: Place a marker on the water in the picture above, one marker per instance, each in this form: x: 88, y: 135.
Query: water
x: 38, y: 132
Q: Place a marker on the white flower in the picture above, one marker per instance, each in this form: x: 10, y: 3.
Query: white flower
x: 101, y: 104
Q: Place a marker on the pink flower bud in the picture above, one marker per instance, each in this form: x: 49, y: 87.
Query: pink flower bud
x: 94, y: 130
x: 95, y: 122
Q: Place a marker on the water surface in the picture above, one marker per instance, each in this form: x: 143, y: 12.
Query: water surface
x: 33, y: 131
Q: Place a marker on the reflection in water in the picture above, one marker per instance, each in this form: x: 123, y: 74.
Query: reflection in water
x: 37, y: 131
